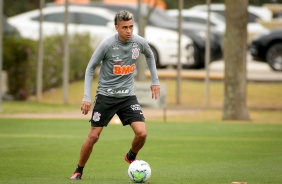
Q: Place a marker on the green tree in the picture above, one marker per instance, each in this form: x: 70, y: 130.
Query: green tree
x: 12, y: 8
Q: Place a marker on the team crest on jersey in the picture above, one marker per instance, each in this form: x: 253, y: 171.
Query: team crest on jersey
x: 135, y: 53
x: 96, y: 116
x: 134, y: 44
x: 115, y: 47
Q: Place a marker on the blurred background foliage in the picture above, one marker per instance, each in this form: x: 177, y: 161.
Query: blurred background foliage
x: 15, y: 7
x: 19, y: 55
x: 22, y: 79
x: 20, y: 61
x: 190, y: 3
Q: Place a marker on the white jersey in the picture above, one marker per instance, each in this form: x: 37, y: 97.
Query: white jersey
x: 118, y: 62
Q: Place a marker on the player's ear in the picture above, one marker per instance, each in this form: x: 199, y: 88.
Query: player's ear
x: 116, y: 26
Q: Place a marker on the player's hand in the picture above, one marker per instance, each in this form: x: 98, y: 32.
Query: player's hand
x: 156, y: 91
x: 85, y: 107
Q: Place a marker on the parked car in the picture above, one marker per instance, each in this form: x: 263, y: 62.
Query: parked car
x: 9, y: 30
x: 268, y: 48
x: 254, y: 13
x: 98, y: 22
x: 217, y: 21
x: 160, y: 19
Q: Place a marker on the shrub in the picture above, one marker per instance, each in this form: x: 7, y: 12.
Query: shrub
x: 79, y: 54
x: 18, y: 56
x: 20, y: 61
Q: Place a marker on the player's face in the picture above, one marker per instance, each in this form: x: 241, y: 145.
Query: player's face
x: 124, y: 29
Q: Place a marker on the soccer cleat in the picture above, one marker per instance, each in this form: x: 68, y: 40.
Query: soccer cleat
x: 76, y: 176
x: 127, y: 160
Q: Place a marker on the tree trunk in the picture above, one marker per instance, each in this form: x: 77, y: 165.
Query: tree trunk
x: 235, y: 49
x: 141, y: 65
x: 142, y: 23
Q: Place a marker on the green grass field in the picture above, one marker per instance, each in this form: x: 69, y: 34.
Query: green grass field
x: 46, y: 151
x: 193, y: 148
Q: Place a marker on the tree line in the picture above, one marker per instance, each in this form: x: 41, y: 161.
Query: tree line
x: 190, y: 3
x: 16, y: 7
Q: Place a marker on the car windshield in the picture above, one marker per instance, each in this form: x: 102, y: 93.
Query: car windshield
x: 74, y: 18
x: 160, y: 18
x: 219, y: 17
x: 220, y: 12
x: 157, y: 18
x: 251, y: 16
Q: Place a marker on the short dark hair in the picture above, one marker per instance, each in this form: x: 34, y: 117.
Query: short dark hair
x: 123, y: 15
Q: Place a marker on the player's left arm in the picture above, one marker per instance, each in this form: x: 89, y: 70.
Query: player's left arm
x: 150, y: 59
x: 156, y: 91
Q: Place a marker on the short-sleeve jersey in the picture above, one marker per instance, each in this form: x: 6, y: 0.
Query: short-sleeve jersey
x: 118, y: 63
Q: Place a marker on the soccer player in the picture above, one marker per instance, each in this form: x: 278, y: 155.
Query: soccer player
x: 118, y: 56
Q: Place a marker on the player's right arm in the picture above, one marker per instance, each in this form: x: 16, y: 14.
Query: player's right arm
x: 85, y: 107
x: 95, y: 59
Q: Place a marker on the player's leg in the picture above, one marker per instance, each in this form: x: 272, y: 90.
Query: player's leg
x: 88, y: 144
x: 86, y: 150
x: 139, y: 129
x: 101, y: 115
x: 130, y: 113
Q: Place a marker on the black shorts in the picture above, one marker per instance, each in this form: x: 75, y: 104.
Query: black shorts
x: 105, y: 107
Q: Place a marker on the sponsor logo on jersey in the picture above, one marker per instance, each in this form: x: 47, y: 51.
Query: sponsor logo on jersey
x: 134, y: 44
x: 115, y: 47
x: 117, y: 59
x: 136, y: 107
x: 135, y: 53
x: 118, y: 91
x: 96, y: 116
x: 124, y: 70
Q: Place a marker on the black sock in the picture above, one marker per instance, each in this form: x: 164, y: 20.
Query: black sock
x: 131, y: 155
x: 79, y: 169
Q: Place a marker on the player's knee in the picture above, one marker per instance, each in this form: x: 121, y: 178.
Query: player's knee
x: 142, y: 135
x: 93, y: 138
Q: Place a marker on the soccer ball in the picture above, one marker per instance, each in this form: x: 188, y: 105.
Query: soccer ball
x: 139, y: 171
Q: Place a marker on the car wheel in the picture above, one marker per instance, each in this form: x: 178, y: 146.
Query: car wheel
x: 274, y: 57
x: 197, y: 61
x: 156, y: 56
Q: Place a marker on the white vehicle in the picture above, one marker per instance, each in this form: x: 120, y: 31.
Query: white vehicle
x: 217, y: 21
x: 254, y: 13
x: 98, y: 22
